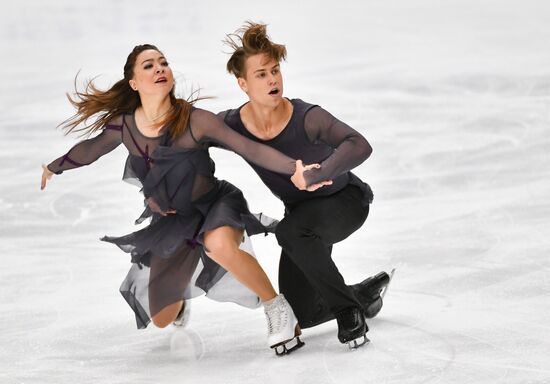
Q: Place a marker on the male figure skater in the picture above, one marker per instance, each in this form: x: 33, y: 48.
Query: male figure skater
x: 324, y: 214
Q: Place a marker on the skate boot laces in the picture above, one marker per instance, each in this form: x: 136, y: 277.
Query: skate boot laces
x: 277, y: 316
x: 282, y: 327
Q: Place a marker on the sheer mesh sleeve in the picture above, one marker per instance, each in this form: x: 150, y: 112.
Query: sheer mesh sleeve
x: 207, y: 127
x: 350, y: 147
x: 88, y: 151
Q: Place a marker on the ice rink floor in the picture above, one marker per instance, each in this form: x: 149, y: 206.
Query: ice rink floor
x: 454, y: 97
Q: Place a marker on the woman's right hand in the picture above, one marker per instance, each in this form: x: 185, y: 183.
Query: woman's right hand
x: 46, y: 175
x: 299, y: 181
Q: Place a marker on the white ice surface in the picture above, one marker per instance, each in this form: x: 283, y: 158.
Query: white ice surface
x: 454, y: 96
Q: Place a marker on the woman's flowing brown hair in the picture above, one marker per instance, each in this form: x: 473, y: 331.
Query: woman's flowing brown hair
x: 250, y: 40
x: 121, y: 99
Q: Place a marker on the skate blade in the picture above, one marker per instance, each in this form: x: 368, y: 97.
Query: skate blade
x: 297, y: 332
x: 354, y: 344
x: 288, y: 347
x: 385, y: 290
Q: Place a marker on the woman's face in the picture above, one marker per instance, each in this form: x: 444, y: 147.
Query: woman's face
x: 152, y: 75
x: 263, y: 81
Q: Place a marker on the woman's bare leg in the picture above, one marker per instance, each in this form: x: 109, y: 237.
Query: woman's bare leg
x: 222, y: 245
x: 167, y: 315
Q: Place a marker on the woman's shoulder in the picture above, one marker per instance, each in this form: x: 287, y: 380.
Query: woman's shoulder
x: 117, y: 122
x: 200, y: 115
x: 198, y: 112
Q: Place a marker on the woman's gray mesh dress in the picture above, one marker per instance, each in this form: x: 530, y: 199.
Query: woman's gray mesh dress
x: 169, y: 263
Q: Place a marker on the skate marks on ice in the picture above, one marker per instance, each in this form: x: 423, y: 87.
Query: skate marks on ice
x: 433, y: 346
x: 325, y: 360
x: 187, y: 344
x: 383, y: 362
x: 107, y: 352
x: 380, y: 360
x: 488, y: 344
x: 438, y: 338
x: 456, y: 357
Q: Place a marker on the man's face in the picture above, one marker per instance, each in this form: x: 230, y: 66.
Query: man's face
x: 263, y: 81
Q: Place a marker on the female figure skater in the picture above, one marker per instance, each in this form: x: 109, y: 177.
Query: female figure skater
x: 194, y: 216
x: 313, y: 221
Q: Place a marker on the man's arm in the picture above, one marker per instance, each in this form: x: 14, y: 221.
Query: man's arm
x: 350, y: 147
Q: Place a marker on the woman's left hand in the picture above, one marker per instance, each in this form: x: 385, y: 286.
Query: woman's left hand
x: 46, y: 175
x: 153, y: 205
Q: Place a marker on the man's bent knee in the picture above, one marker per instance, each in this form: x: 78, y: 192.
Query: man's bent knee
x: 286, y: 233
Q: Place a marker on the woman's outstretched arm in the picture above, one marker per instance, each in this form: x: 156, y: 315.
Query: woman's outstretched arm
x: 84, y: 153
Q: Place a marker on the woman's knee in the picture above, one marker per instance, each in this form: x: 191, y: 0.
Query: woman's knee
x: 164, y: 318
x: 167, y: 315
x: 161, y: 322
x: 221, y: 245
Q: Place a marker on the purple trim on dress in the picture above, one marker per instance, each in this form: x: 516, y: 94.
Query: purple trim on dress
x: 122, y: 130
x: 68, y: 159
x: 114, y: 127
x: 145, y: 154
x: 193, y: 243
x: 119, y: 128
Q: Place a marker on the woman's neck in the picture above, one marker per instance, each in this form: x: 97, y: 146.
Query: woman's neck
x: 154, y: 111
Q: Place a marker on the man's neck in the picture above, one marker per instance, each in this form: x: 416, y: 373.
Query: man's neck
x: 266, y: 122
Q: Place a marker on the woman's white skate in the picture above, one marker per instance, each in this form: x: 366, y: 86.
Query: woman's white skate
x: 183, y: 316
x: 282, y: 327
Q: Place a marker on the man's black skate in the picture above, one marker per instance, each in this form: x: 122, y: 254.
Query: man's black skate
x: 352, y: 327
x: 371, y: 291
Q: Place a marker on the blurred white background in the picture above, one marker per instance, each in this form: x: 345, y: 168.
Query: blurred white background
x: 454, y: 97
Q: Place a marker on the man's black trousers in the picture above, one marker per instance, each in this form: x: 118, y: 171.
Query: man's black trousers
x: 308, y: 277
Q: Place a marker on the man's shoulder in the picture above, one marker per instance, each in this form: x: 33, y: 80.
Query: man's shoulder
x: 230, y: 117
x: 301, y: 105
x: 222, y: 114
